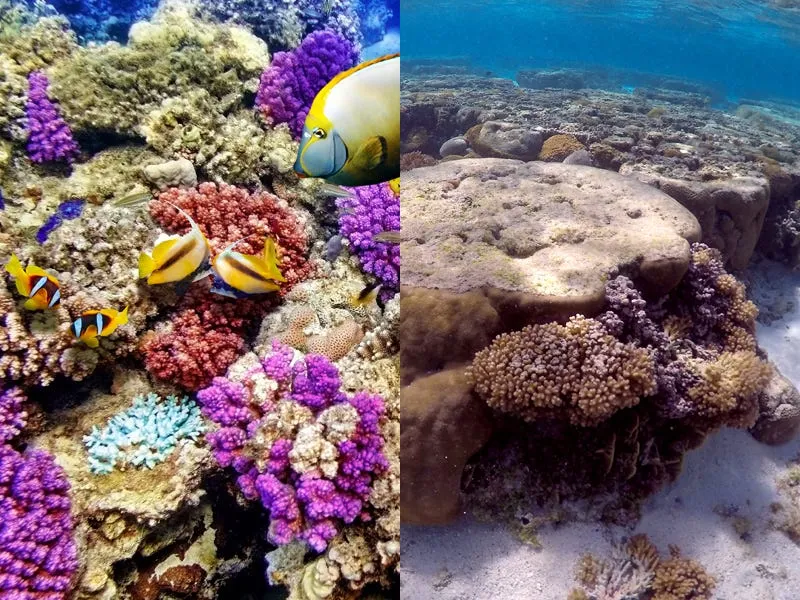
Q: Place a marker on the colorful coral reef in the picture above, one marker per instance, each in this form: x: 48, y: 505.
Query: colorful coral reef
x: 49, y: 137
x: 290, y: 84
x: 143, y: 435
x: 309, y: 451
x: 373, y: 210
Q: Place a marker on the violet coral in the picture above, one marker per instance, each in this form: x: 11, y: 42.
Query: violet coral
x: 372, y: 210
x: 292, y: 81
x: 49, y: 136
x: 306, y: 449
x: 13, y: 417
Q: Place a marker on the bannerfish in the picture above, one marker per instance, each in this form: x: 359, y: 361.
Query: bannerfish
x: 42, y: 289
x: 177, y: 258
x: 352, y: 132
x: 94, y: 323
x: 238, y: 275
x: 367, y: 296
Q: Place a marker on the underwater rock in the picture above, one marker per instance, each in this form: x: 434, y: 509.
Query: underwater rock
x: 505, y: 140
x: 174, y: 173
x: 779, y: 418
x: 454, y: 146
x: 443, y: 423
x: 580, y: 157
x: 731, y: 212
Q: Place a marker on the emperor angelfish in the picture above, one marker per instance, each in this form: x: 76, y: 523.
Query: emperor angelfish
x: 41, y: 289
x: 177, y: 258
x: 352, y: 132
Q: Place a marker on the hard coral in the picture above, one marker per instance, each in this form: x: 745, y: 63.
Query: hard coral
x: 558, y: 147
x: 306, y: 449
x: 49, y: 137
x: 39, y: 556
x: 374, y: 209
x: 577, y: 372
x: 290, y: 84
x: 13, y: 417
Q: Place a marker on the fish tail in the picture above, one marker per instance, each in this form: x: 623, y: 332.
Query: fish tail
x: 146, y: 265
x: 14, y: 267
x: 122, y: 318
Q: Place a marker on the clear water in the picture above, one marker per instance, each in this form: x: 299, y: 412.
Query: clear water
x: 743, y: 48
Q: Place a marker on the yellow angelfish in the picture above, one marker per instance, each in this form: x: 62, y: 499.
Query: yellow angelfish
x: 41, y: 289
x: 352, y: 132
x: 177, y: 258
x: 93, y: 323
x: 238, y: 275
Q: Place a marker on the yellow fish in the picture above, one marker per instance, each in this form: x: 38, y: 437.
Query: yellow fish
x: 367, y: 296
x: 177, y: 258
x: 42, y: 289
x: 239, y: 275
x: 352, y: 132
x: 93, y: 323
x: 394, y: 184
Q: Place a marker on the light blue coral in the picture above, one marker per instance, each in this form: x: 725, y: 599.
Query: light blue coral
x: 144, y: 435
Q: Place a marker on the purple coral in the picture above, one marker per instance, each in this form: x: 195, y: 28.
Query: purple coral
x: 69, y: 209
x: 38, y: 557
x: 374, y: 209
x: 290, y: 84
x: 49, y: 137
x: 13, y: 417
x: 262, y: 438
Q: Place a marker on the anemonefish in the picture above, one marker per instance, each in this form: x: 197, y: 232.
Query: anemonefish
x: 177, y: 258
x: 93, y: 323
x: 238, y: 275
x: 42, y: 289
x: 352, y: 132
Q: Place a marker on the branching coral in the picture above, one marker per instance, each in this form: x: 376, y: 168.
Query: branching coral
x: 373, y: 210
x: 144, y: 435
x: 13, y: 416
x: 290, y: 84
x: 576, y: 372
x: 306, y: 449
x: 49, y: 137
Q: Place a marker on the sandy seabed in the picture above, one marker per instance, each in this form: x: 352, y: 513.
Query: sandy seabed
x: 730, y: 472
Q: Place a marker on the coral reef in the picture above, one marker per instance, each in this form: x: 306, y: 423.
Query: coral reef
x: 103, y: 20
x: 292, y: 81
x: 373, y: 210
x: 49, y: 137
x: 143, y: 435
x: 13, y: 416
x: 71, y: 209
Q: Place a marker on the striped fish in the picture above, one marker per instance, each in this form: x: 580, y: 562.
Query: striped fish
x: 238, y: 275
x: 94, y: 323
x: 42, y: 289
x: 177, y: 258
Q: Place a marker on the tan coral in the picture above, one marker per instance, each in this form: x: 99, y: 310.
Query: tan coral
x: 559, y: 146
x: 337, y: 342
x: 682, y: 579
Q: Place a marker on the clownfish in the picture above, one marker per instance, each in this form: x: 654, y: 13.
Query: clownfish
x: 177, y: 258
x: 351, y: 135
x: 238, y: 275
x: 42, y: 289
x: 93, y: 323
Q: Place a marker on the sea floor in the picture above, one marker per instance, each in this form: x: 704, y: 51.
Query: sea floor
x: 718, y: 512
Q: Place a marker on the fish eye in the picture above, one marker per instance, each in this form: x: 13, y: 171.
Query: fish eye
x: 318, y: 133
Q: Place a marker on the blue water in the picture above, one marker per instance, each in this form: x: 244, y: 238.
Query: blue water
x: 743, y: 48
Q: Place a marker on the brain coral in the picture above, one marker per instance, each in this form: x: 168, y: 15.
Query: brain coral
x: 577, y: 372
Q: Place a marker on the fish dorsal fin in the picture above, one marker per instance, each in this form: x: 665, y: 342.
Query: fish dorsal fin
x: 271, y: 260
x: 162, y: 248
x: 34, y: 270
x: 371, y: 153
x: 229, y: 248
x: 323, y: 94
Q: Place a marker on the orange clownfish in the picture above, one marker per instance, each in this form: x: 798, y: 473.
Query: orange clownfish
x: 42, y: 289
x: 177, y: 258
x: 238, y: 275
x: 94, y: 323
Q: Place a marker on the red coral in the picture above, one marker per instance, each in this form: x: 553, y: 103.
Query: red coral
x: 226, y: 214
x: 206, y: 332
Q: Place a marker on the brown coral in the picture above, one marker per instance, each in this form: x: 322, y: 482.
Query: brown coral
x: 337, y: 342
x: 576, y: 372
x: 682, y: 579
x: 558, y: 147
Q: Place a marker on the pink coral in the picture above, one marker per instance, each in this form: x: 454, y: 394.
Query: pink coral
x: 206, y: 333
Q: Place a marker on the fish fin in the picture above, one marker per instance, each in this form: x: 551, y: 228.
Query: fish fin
x: 271, y: 258
x: 162, y: 248
x: 92, y: 342
x: 202, y: 274
x: 371, y: 153
x: 34, y: 270
x: 14, y: 267
x: 121, y: 318
x: 223, y: 292
x: 38, y: 302
x: 146, y: 265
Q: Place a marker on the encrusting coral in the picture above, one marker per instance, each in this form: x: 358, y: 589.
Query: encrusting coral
x: 49, y: 137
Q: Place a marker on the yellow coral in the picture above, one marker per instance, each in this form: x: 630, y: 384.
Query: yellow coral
x: 559, y: 146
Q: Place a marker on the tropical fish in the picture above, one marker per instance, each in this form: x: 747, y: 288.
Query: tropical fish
x: 366, y: 296
x: 352, y: 132
x: 389, y: 237
x: 42, y: 289
x: 177, y: 258
x: 238, y: 275
x: 93, y: 323
x: 131, y: 200
x: 394, y: 184
x: 328, y: 189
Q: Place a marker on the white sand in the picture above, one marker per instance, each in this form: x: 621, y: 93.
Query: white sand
x: 471, y: 561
